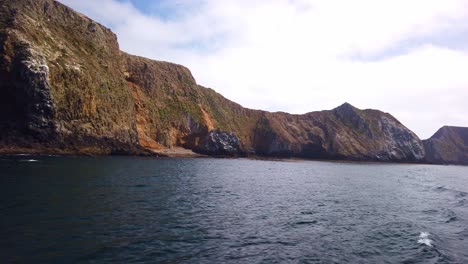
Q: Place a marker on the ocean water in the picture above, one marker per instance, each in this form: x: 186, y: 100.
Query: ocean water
x: 148, y: 210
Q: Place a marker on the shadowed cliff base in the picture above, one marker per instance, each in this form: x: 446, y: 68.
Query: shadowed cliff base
x: 67, y: 88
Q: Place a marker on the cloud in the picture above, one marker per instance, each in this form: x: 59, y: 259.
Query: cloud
x: 404, y: 57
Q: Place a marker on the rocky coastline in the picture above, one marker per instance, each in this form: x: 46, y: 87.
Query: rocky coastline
x: 68, y: 89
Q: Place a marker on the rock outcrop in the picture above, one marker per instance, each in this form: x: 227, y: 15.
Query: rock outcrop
x: 220, y: 143
x: 449, y: 145
x: 67, y: 88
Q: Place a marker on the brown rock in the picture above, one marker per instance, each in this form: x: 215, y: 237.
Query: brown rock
x: 66, y: 87
x: 449, y: 145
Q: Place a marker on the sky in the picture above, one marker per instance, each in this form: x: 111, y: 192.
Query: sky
x: 408, y: 58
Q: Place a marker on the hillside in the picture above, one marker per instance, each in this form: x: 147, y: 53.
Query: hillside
x: 449, y: 145
x: 61, y: 83
x: 67, y: 88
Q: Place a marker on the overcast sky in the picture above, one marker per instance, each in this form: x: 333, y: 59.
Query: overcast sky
x: 405, y: 57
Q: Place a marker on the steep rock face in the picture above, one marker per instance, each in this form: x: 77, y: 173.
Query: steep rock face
x: 173, y: 110
x: 168, y: 112
x: 61, y: 84
x: 66, y: 87
x: 342, y: 133
x: 449, y: 145
x: 33, y: 82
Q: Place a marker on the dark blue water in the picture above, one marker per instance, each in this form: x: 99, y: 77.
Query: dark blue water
x: 144, y: 210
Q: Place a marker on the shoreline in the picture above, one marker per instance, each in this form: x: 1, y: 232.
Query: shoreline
x: 179, y: 152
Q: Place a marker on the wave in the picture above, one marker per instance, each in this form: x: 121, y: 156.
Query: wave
x: 449, y: 215
x: 424, y: 239
x: 459, y: 196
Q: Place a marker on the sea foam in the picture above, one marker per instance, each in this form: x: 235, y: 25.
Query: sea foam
x: 424, y: 239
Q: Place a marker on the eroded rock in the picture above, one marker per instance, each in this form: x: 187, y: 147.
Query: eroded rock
x: 34, y: 81
x: 217, y: 142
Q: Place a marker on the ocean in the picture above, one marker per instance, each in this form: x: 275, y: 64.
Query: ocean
x: 206, y: 210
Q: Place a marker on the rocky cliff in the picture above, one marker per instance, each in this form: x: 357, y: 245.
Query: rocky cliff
x: 449, y: 145
x: 66, y: 88
x: 342, y: 133
x: 62, y: 89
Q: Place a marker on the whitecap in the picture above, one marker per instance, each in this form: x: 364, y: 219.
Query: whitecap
x: 29, y: 160
x: 424, y: 239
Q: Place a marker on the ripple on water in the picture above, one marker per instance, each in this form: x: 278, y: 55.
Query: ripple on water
x: 103, y: 210
x: 440, y: 189
x: 448, y: 215
x: 443, y: 215
x: 394, y: 240
x: 308, y: 212
x: 299, y: 223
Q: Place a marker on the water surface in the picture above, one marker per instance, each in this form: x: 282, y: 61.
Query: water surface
x: 146, y: 210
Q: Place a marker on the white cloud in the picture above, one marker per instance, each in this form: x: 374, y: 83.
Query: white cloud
x: 300, y: 56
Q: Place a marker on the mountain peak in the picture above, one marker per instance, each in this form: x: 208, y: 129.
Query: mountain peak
x: 345, y: 109
x: 449, y: 129
x: 345, y: 106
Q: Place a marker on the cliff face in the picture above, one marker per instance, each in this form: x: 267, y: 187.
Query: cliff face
x: 175, y: 111
x: 172, y: 110
x: 449, y: 145
x: 61, y: 84
x: 342, y: 133
x: 66, y: 87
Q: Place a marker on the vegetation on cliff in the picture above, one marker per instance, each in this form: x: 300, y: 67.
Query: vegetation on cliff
x: 61, y: 83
